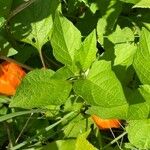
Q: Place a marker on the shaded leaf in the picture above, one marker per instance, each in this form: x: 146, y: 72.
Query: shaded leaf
x: 139, y: 103
x: 5, y: 6
x: 34, y: 24
x: 109, y: 17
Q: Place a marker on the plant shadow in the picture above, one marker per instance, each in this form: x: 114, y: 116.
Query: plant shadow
x: 22, y: 24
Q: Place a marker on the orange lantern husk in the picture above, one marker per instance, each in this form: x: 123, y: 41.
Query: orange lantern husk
x: 11, y: 75
x: 106, y: 123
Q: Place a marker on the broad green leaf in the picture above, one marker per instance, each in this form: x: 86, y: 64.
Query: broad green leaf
x: 82, y: 143
x: 109, y: 17
x: 101, y: 87
x: 24, y: 53
x: 38, y: 89
x: 60, y: 145
x: 139, y: 133
x: 5, y: 6
x: 119, y: 47
x: 142, y: 56
x: 121, y: 35
x: 63, y: 73
x: 76, y: 127
x: 124, y: 54
x: 87, y: 53
x: 119, y: 112
x: 34, y: 24
x: 142, y: 4
x: 139, y: 103
x: 66, y: 39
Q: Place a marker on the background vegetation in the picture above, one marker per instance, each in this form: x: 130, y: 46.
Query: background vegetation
x: 82, y: 57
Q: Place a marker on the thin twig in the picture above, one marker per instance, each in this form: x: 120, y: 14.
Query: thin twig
x: 23, y: 128
x: 9, y: 135
x: 14, y: 61
x: 45, y: 130
x: 116, y: 139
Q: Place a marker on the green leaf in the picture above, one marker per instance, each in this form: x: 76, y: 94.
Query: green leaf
x: 142, y: 4
x: 82, y: 143
x: 34, y: 24
x: 24, y: 53
x: 60, y: 145
x: 121, y: 35
x: 124, y: 54
x: 3, y: 110
x: 119, y: 112
x: 101, y: 87
x: 63, y: 73
x: 142, y: 56
x: 93, y: 7
x: 38, y: 89
x: 5, y: 6
x: 109, y: 17
x: 139, y: 103
x: 2, y: 21
x: 66, y: 40
x: 139, y: 133
x: 5, y: 47
x: 76, y: 127
x: 130, y: 1
x: 87, y: 53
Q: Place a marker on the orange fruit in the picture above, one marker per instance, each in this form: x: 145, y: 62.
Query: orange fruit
x: 105, y: 123
x: 11, y: 75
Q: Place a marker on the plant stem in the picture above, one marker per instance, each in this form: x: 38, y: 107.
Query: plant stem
x: 23, y: 128
x: 10, y: 145
x: 116, y: 139
x: 44, y: 130
x: 15, y: 114
x: 99, y: 137
x: 42, y: 59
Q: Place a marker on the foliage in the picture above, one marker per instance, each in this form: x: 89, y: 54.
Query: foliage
x: 82, y: 58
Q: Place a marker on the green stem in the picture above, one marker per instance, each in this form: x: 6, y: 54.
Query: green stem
x: 15, y: 114
x: 99, y: 137
x: 44, y: 130
x: 10, y: 145
x: 23, y: 128
x: 42, y: 59
x: 116, y: 139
